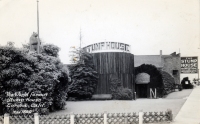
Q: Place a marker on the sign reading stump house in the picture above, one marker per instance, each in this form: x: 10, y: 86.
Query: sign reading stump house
x: 108, y: 47
x: 189, y: 65
x: 23, y: 103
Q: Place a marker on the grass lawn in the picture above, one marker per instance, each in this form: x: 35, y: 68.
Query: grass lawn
x: 173, y: 101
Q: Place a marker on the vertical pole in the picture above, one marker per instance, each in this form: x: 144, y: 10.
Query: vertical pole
x: 126, y: 120
x: 6, y: 118
x: 199, y: 42
x: 150, y: 94
x: 198, y: 76
x: 155, y: 94
x: 80, y: 46
x: 80, y: 38
x: 141, y: 117
x: 36, y: 118
x: 72, y: 118
x: 133, y: 83
x: 38, y: 45
x: 105, y: 117
x: 135, y: 95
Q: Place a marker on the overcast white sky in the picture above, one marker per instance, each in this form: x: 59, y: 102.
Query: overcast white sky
x: 147, y: 25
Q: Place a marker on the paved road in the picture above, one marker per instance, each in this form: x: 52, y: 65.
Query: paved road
x: 179, y: 94
x: 173, y: 101
x: 190, y: 111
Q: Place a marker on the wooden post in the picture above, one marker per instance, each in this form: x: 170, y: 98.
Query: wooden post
x: 6, y: 118
x: 135, y: 97
x: 105, y: 117
x: 36, y: 118
x: 198, y: 78
x: 155, y: 94
x: 72, y: 118
x: 38, y: 43
x: 126, y: 120
x: 141, y: 117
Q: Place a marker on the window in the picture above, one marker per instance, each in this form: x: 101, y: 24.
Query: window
x: 175, y: 72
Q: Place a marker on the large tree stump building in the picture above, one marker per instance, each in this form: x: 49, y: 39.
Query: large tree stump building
x: 112, y: 60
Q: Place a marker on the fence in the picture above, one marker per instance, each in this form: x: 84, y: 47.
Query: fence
x: 102, y: 118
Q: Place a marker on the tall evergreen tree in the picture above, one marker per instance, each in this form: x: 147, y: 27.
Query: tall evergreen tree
x: 84, y: 77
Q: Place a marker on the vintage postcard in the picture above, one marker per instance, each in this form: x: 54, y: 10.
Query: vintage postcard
x: 99, y: 62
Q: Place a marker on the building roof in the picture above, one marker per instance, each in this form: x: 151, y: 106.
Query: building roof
x: 147, y: 59
x: 171, y: 55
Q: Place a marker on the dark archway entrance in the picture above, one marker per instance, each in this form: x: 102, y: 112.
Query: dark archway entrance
x: 143, y: 89
x: 142, y: 80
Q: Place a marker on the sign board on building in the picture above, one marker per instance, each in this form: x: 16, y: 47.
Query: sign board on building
x: 189, y: 65
x: 107, y: 47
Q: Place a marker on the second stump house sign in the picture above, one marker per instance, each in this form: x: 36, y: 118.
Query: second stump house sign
x: 189, y: 65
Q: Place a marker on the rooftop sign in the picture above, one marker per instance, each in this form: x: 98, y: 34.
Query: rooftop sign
x: 108, y: 47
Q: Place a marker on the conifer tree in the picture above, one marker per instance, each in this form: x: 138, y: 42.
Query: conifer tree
x: 84, y: 77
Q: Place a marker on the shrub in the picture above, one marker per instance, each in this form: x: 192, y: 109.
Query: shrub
x: 180, y: 88
x: 119, y: 92
x: 168, y: 81
x: 84, y: 77
x: 124, y: 94
x: 169, y: 115
x: 26, y: 71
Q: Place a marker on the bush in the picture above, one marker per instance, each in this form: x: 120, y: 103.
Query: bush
x: 84, y: 77
x: 26, y: 71
x: 119, y: 92
x: 180, y: 88
x: 169, y: 115
x: 124, y: 94
x: 168, y: 81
